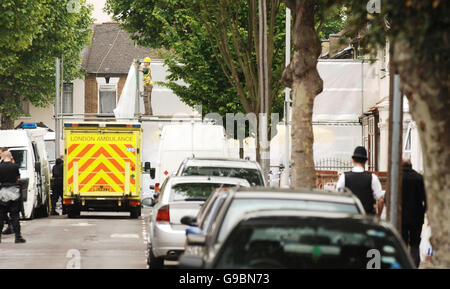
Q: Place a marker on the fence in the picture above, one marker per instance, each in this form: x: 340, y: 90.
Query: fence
x: 328, y: 179
x: 333, y: 163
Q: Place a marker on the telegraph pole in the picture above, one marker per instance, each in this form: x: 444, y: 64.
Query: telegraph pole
x: 287, y: 100
x: 61, y: 103
x: 57, y: 109
x: 394, y: 194
x: 263, y: 88
x: 137, y: 105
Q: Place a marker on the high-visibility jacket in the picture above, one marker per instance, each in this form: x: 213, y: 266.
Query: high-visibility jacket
x: 147, y: 76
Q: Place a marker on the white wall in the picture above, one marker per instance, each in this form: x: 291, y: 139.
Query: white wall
x: 39, y: 114
x: 164, y: 101
x: 78, y: 96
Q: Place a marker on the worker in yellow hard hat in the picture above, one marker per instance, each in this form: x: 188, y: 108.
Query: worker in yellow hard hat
x: 147, y: 72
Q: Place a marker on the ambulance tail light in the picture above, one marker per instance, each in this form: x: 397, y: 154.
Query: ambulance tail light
x: 135, y: 203
x: 68, y: 202
x: 163, y: 215
x: 156, y: 187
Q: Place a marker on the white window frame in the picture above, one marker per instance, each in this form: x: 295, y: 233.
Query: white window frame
x: 101, y: 83
x: 63, y: 99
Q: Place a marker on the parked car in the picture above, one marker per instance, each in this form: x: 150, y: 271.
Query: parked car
x: 179, y: 196
x: 235, y: 168
x: 224, y: 209
x: 292, y: 239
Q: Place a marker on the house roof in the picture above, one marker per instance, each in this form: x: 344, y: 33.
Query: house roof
x: 111, y: 50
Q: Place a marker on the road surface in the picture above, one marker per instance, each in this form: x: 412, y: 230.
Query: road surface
x: 96, y: 240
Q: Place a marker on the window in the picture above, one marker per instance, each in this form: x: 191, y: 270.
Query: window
x: 370, y: 133
x: 50, y: 147
x: 107, y: 99
x: 107, y: 94
x: 301, y: 243
x: 240, y: 207
x: 195, y: 191
x: 20, y: 158
x: 68, y: 98
x: 253, y: 176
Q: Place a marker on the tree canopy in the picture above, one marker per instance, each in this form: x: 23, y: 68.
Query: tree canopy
x: 30, y: 41
x: 210, y: 46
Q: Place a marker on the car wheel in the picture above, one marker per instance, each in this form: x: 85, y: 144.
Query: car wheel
x: 153, y: 261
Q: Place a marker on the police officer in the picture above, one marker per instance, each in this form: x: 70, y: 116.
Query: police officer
x: 414, y: 206
x: 9, y: 229
x: 10, y: 194
x: 57, y: 187
x: 366, y: 186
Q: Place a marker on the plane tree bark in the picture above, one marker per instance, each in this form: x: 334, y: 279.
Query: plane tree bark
x: 303, y: 78
x: 429, y: 102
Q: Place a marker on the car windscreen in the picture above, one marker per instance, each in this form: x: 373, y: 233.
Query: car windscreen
x: 20, y: 158
x: 50, y: 148
x: 239, y: 207
x: 195, y: 191
x: 310, y: 243
x: 253, y: 176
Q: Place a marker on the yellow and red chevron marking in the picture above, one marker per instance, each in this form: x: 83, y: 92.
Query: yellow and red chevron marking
x: 101, y: 167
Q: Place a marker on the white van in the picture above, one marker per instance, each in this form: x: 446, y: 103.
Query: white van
x: 50, y: 147
x: 179, y: 141
x: 28, y: 149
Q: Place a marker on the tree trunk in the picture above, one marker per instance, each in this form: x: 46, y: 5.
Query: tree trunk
x: 302, y: 76
x: 428, y: 93
x: 6, y: 122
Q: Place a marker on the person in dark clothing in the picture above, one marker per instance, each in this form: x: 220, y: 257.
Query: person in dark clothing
x: 57, y: 185
x: 10, y: 195
x: 414, y: 206
x: 365, y: 185
x: 9, y: 229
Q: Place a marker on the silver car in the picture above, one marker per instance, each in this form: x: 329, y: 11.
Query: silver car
x: 236, y: 168
x: 209, y: 228
x: 179, y: 196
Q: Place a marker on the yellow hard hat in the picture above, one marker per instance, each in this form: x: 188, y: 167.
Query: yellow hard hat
x: 147, y: 59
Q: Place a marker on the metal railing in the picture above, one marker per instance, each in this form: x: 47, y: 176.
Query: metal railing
x: 333, y: 164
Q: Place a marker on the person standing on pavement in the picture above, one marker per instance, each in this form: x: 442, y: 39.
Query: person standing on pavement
x: 414, y: 206
x: 365, y: 185
x: 57, y: 185
x: 9, y: 229
x: 10, y: 194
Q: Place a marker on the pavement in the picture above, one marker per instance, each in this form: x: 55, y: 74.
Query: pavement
x: 96, y: 240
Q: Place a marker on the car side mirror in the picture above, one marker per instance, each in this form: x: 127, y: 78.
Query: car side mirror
x: 148, y: 202
x: 196, y: 240
x: 152, y: 173
x: 190, y: 262
x: 37, y: 167
x: 189, y: 221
